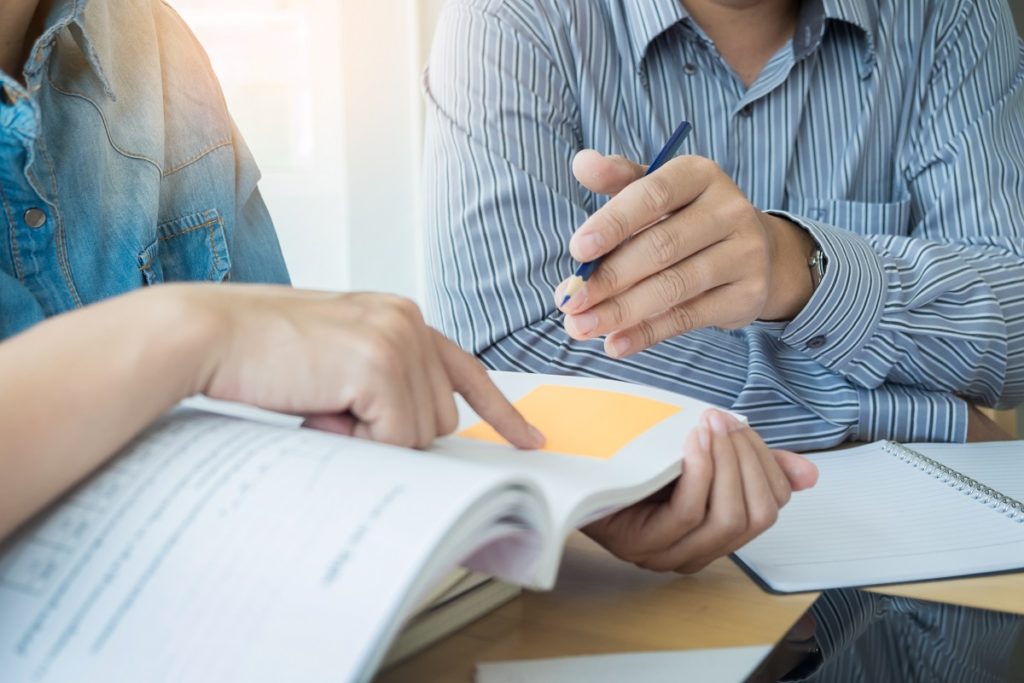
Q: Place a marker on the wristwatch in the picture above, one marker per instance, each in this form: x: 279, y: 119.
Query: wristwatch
x: 816, y: 263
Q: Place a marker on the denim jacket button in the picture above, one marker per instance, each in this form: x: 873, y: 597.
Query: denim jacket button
x: 35, y: 218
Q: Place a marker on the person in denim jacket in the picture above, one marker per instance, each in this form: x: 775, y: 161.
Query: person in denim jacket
x: 119, y: 163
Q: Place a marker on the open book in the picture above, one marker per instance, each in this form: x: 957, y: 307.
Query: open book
x: 888, y: 513
x: 221, y: 549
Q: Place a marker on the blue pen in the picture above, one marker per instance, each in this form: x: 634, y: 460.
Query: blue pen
x: 585, y: 270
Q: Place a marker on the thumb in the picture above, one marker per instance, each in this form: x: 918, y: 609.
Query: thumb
x: 341, y: 423
x: 605, y: 174
x: 801, y: 472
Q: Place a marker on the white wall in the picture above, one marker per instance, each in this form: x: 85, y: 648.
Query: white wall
x: 327, y: 94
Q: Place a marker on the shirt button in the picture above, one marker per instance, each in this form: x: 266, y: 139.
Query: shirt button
x: 689, y: 69
x: 816, y: 342
x: 35, y: 218
x: 747, y: 110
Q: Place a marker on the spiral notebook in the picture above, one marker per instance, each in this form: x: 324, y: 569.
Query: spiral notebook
x: 891, y: 513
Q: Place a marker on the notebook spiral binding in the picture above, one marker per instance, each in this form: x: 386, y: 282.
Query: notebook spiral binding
x: 1012, y: 508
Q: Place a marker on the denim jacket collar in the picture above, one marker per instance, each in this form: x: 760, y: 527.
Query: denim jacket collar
x: 88, y: 24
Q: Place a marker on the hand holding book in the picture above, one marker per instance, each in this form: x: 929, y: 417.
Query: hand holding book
x: 731, y: 490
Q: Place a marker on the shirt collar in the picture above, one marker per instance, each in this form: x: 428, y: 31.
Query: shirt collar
x: 648, y: 19
x: 861, y: 14
x: 88, y: 25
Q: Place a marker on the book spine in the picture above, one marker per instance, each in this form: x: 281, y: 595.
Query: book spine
x: 1003, y: 504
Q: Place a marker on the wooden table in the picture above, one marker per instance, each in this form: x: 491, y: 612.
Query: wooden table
x: 603, y: 605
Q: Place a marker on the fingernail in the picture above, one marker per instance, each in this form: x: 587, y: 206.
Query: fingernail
x: 807, y: 470
x: 536, y: 438
x: 560, y: 292
x: 719, y: 425
x: 795, y: 474
x: 586, y: 246
x: 576, y: 302
x: 584, y: 323
x: 620, y: 346
x: 703, y: 437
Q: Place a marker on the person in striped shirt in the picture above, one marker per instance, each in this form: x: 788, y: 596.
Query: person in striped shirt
x: 883, y: 139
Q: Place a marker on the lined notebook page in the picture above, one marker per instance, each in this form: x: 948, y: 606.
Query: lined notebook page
x: 874, y: 519
x: 998, y: 465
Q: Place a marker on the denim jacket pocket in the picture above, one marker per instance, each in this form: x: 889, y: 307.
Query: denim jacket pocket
x: 864, y: 218
x: 190, y: 248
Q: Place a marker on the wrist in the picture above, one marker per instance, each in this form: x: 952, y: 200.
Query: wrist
x: 792, y: 283
x: 192, y: 334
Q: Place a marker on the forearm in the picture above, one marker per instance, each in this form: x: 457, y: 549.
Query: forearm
x: 78, y: 387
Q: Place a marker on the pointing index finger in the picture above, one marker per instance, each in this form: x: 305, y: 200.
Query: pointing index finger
x: 470, y: 380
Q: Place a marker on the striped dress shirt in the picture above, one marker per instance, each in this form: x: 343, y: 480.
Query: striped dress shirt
x: 891, y: 130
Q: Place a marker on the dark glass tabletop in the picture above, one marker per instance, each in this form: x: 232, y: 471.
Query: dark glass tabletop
x: 859, y: 636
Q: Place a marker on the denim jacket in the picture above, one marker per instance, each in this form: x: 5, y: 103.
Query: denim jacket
x: 120, y: 166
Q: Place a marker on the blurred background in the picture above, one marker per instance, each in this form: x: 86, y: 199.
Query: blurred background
x: 327, y: 94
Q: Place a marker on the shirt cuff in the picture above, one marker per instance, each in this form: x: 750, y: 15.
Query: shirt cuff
x: 843, y: 314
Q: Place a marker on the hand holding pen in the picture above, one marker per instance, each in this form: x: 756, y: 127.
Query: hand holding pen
x: 680, y: 247
x: 585, y: 270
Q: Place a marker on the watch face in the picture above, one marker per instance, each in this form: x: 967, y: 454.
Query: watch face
x: 851, y: 635
x: 816, y: 263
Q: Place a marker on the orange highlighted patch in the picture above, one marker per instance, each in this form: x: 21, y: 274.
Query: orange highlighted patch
x: 591, y: 423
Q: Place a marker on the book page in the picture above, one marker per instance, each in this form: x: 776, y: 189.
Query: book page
x: 217, y: 549
x: 583, y: 421
x: 998, y: 465
x: 874, y: 519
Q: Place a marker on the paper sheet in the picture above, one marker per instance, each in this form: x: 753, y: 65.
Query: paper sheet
x: 874, y: 519
x: 591, y: 423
